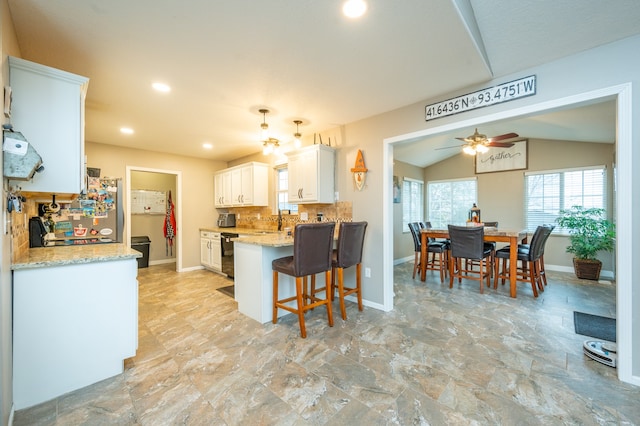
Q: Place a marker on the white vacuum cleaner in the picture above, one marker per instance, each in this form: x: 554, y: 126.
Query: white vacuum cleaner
x: 603, y: 352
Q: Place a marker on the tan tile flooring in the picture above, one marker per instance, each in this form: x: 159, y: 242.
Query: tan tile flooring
x: 442, y: 356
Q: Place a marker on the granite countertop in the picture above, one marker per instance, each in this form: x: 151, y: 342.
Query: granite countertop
x: 243, y: 231
x: 43, y: 257
x: 273, y: 239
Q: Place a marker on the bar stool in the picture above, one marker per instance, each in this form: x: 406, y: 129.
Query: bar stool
x: 468, y: 243
x: 312, y: 253
x: 531, y: 271
x: 348, y: 253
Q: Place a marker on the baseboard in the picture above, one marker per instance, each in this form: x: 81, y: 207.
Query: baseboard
x: 11, y: 413
x: 401, y: 260
x: 608, y: 275
x: 162, y: 261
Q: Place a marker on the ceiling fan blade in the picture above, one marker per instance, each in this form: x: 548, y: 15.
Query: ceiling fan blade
x: 503, y: 137
x: 500, y: 144
x: 449, y: 147
x: 463, y: 139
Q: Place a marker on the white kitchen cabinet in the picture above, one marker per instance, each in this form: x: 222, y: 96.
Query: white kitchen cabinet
x: 48, y: 109
x: 311, y: 175
x: 222, y: 188
x: 73, y: 325
x: 211, y: 250
x: 243, y: 185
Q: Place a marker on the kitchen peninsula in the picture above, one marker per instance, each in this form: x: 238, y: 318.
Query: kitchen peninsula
x: 253, y: 279
x: 75, y: 319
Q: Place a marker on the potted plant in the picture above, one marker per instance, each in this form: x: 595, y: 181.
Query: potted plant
x: 589, y: 233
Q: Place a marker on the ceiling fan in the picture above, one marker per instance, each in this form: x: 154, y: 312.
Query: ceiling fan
x: 478, y: 142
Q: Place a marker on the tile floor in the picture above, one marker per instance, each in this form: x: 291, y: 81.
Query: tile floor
x: 442, y: 356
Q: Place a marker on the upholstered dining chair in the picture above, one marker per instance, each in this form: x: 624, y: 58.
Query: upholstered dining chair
x: 524, y: 248
x: 530, y: 271
x: 312, y: 254
x: 439, y: 248
x: 468, y: 243
x: 348, y: 253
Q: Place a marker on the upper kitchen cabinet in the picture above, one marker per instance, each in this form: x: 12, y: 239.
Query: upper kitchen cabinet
x: 243, y: 185
x: 48, y: 109
x: 311, y: 175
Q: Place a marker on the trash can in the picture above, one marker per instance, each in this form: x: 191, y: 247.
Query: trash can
x: 141, y: 243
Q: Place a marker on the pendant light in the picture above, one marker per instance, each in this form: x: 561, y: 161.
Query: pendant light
x: 296, y: 136
x: 264, y: 126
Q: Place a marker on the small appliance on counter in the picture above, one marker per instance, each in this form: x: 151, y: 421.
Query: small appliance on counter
x: 226, y: 220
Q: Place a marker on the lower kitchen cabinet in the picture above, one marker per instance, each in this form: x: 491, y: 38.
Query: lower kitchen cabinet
x: 73, y: 325
x: 211, y: 250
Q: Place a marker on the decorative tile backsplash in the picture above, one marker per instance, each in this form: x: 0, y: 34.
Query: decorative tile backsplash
x: 264, y: 219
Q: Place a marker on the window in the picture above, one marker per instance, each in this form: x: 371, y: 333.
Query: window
x: 282, y: 188
x: 549, y: 192
x: 449, y: 201
x: 412, y: 202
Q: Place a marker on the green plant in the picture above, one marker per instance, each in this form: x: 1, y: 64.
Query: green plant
x: 589, y: 231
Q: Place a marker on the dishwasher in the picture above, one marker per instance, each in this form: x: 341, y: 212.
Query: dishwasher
x: 227, y: 252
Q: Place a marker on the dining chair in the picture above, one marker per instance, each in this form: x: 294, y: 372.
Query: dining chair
x: 348, y: 253
x: 439, y: 248
x: 468, y: 243
x: 312, y: 254
x: 530, y: 270
x: 487, y: 245
x: 524, y: 248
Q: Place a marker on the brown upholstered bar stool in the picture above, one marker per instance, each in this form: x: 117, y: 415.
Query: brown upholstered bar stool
x: 312, y: 253
x: 348, y: 253
x: 468, y: 243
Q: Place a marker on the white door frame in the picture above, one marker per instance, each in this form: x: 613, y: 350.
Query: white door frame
x: 622, y: 95
x: 177, y: 203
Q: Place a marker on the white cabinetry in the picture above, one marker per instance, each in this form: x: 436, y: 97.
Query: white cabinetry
x: 311, y: 175
x: 211, y: 250
x: 73, y: 325
x: 243, y: 185
x: 48, y: 109
x: 222, y: 187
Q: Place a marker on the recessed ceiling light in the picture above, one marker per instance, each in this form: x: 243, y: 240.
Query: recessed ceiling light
x: 207, y: 146
x: 126, y: 130
x: 161, y: 87
x: 354, y: 8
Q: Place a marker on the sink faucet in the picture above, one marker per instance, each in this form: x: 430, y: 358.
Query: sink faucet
x: 279, y: 220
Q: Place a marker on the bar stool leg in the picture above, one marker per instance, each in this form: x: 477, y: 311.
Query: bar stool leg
x: 275, y: 297
x: 359, y: 284
x: 327, y: 281
x: 300, y: 311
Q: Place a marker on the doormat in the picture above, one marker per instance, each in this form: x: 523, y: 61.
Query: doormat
x: 595, y: 326
x: 228, y: 290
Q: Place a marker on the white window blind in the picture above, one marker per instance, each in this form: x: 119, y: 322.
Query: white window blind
x: 449, y: 201
x: 412, y: 202
x: 549, y: 192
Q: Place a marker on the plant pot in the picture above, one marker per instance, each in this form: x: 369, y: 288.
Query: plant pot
x: 587, y: 269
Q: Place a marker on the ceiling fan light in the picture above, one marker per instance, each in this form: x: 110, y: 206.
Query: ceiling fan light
x: 469, y: 150
x: 482, y: 148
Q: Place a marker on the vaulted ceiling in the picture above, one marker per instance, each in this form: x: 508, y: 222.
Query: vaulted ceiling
x: 301, y: 59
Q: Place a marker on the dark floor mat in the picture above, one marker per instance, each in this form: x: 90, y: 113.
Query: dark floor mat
x: 228, y: 290
x: 595, y: 326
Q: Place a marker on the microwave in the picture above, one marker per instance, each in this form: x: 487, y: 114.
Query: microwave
x: 226, y: 220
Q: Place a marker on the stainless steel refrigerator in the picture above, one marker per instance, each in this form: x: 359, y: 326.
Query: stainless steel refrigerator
x: 95, y: 217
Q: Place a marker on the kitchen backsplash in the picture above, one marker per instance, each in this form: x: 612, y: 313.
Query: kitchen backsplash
x: 264, y: 219
x: 20, y: 228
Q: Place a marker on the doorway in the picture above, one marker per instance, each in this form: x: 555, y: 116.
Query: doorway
x: 174, y: 180
x: 622, y: 95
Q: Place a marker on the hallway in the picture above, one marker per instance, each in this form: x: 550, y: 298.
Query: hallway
x: 441, y: 356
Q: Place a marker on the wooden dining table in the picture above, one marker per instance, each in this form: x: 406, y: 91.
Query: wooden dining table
x: 511, y: 236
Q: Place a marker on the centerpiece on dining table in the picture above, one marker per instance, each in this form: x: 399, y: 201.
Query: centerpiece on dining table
x: 474, y: 216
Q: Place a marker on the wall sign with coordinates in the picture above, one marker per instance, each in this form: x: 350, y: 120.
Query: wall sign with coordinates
x: 504, y: 92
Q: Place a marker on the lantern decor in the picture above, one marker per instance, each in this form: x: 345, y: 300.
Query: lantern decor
x: 474, y: 216
x: 359, y: 171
